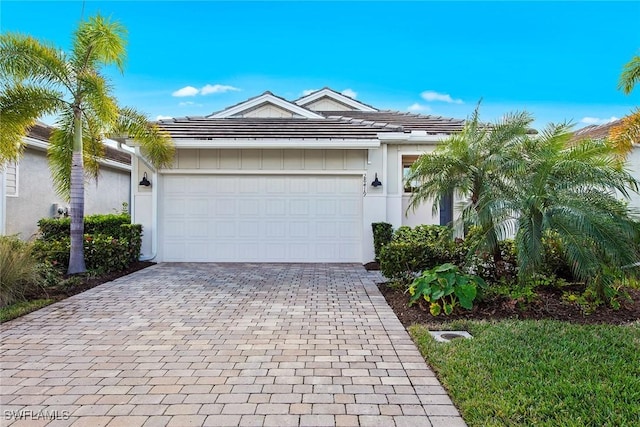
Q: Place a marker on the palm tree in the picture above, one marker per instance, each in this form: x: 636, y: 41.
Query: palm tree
x: 39, y: 79
x: 571, y: 189
x: 469, y: 164
x: 630, y: 75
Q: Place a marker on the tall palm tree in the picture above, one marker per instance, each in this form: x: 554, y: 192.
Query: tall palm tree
x: 469, y: 164
x: 38, y: 79
x: 572, y: 189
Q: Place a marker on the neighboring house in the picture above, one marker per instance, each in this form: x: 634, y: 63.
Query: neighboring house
x: 27, y: 193
x: 633, y: 158
x: 272, y: 180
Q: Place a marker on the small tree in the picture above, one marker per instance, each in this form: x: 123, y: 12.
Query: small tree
x: 39, y: 79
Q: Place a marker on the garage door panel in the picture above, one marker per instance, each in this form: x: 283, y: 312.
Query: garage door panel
x: 225, y: 207
x: 262, y: 219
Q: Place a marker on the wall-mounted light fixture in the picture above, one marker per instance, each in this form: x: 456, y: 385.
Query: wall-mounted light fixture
x: 376, y: 182
x: 145, y: 181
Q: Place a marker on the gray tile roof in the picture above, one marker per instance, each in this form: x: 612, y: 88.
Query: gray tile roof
x: 42, y: 132
x: 407, y: 121
x: 274, y: 128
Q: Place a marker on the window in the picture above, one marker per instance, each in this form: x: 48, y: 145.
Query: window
x: 407, y: 161
x: 11, y: 177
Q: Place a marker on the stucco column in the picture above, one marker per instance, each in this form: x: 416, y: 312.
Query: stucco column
x: 3, y: 201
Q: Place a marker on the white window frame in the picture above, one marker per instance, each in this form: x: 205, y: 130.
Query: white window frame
x: 17, y: 177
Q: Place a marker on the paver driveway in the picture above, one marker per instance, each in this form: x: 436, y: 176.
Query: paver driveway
x: 221, y: 344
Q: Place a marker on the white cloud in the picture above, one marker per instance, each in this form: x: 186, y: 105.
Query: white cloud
x: 350, y: 93
x: 161, y: 117
x: 186, y: 91
x: 189, y: 104
x: 419, y: 107
x: 208, y: 89
x: 431, y: 95
x: 308, y: 91
x: 598, y: 121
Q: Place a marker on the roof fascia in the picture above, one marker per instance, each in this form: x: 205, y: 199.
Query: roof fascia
x: 266, y: 98
x: 335, y: 96
x: 415, y: 137
x: 347, y: 144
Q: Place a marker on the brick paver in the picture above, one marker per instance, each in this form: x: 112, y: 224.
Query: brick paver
x: 221, y: 344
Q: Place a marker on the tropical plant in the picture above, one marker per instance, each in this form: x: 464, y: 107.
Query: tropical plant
x: 469, y: 165
x: 630, y: 75
x: 444, y: 287
x: 18, y: 269
x: 572, y: 191
x: 38, y: 79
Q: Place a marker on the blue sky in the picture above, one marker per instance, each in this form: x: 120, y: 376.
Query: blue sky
x: 557, y: 60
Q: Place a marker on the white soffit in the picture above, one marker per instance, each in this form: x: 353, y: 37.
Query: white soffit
x: 328, y: 93
x: 265, y: 98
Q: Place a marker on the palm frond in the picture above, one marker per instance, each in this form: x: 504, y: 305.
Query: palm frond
x: 630, y: 75
x: 97, y: 100
x: 99, y: 41
x: 155, y: 143
x: 60, y: 154
x: 20, y: 106
x: 23, y: 58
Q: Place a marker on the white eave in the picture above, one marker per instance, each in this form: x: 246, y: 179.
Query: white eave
x: 310, y: 143
x: 39, y: 145
x: 266, y: 98
x: 414, y: 137
x: 326, y: 92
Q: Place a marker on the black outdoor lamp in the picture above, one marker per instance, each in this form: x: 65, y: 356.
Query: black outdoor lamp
x: 145, y: 181
x: 376, y: 182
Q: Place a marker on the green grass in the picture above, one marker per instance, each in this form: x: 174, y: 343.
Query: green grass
x: 540, y: 373
x: 21, y: 308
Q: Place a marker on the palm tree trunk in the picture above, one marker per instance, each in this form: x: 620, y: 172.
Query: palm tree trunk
x: 76, y: 255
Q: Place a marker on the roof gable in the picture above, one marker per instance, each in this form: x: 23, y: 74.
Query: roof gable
x: 264, y: 105
x: 331, y: 97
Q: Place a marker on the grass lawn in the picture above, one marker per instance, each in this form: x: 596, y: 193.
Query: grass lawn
x: 23, y: 307
x: 539, y: 373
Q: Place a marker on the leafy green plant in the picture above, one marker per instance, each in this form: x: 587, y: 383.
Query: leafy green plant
x: 18, y: 269
x: 444, y: 288
x: 412, y: 250
x: 382, y: 235
x: 107, y: 224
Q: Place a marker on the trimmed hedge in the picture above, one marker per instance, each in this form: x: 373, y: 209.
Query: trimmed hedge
x: 111, y: 242
x: 382, y: 235
x: 413, y: 250
x: 109, y: 225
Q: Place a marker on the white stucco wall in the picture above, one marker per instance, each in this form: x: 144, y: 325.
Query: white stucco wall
x: 36, y: 195
x: 633, y: 165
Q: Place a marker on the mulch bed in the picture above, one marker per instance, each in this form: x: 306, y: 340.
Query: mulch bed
x: 548, y: 305
x: 88, y: 282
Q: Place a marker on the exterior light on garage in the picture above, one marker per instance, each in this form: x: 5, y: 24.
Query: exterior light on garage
x: 145, y: 181
x: 376, y: 182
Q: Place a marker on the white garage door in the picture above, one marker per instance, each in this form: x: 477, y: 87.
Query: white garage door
x: 261, y: 218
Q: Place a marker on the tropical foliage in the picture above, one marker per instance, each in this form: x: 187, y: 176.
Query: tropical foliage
x: 39, y: 78
x: 465, y: 165
x: 630, y: 75
x: 534, y: 186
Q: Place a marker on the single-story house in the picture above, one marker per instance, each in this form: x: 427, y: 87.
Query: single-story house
x: 274, y: 180
x: 27, y: 194
x: 633, y: 158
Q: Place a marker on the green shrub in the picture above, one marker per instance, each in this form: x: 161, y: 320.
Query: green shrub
x: 18, y: 269
x: 444, y: 288
x: 413, y: 250
x: 109, y: 225
x: 133, y: 234
x: 103, y: 254
x: 382, y: 235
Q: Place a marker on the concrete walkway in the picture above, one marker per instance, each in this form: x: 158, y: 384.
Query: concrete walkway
x: 220, y: 344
